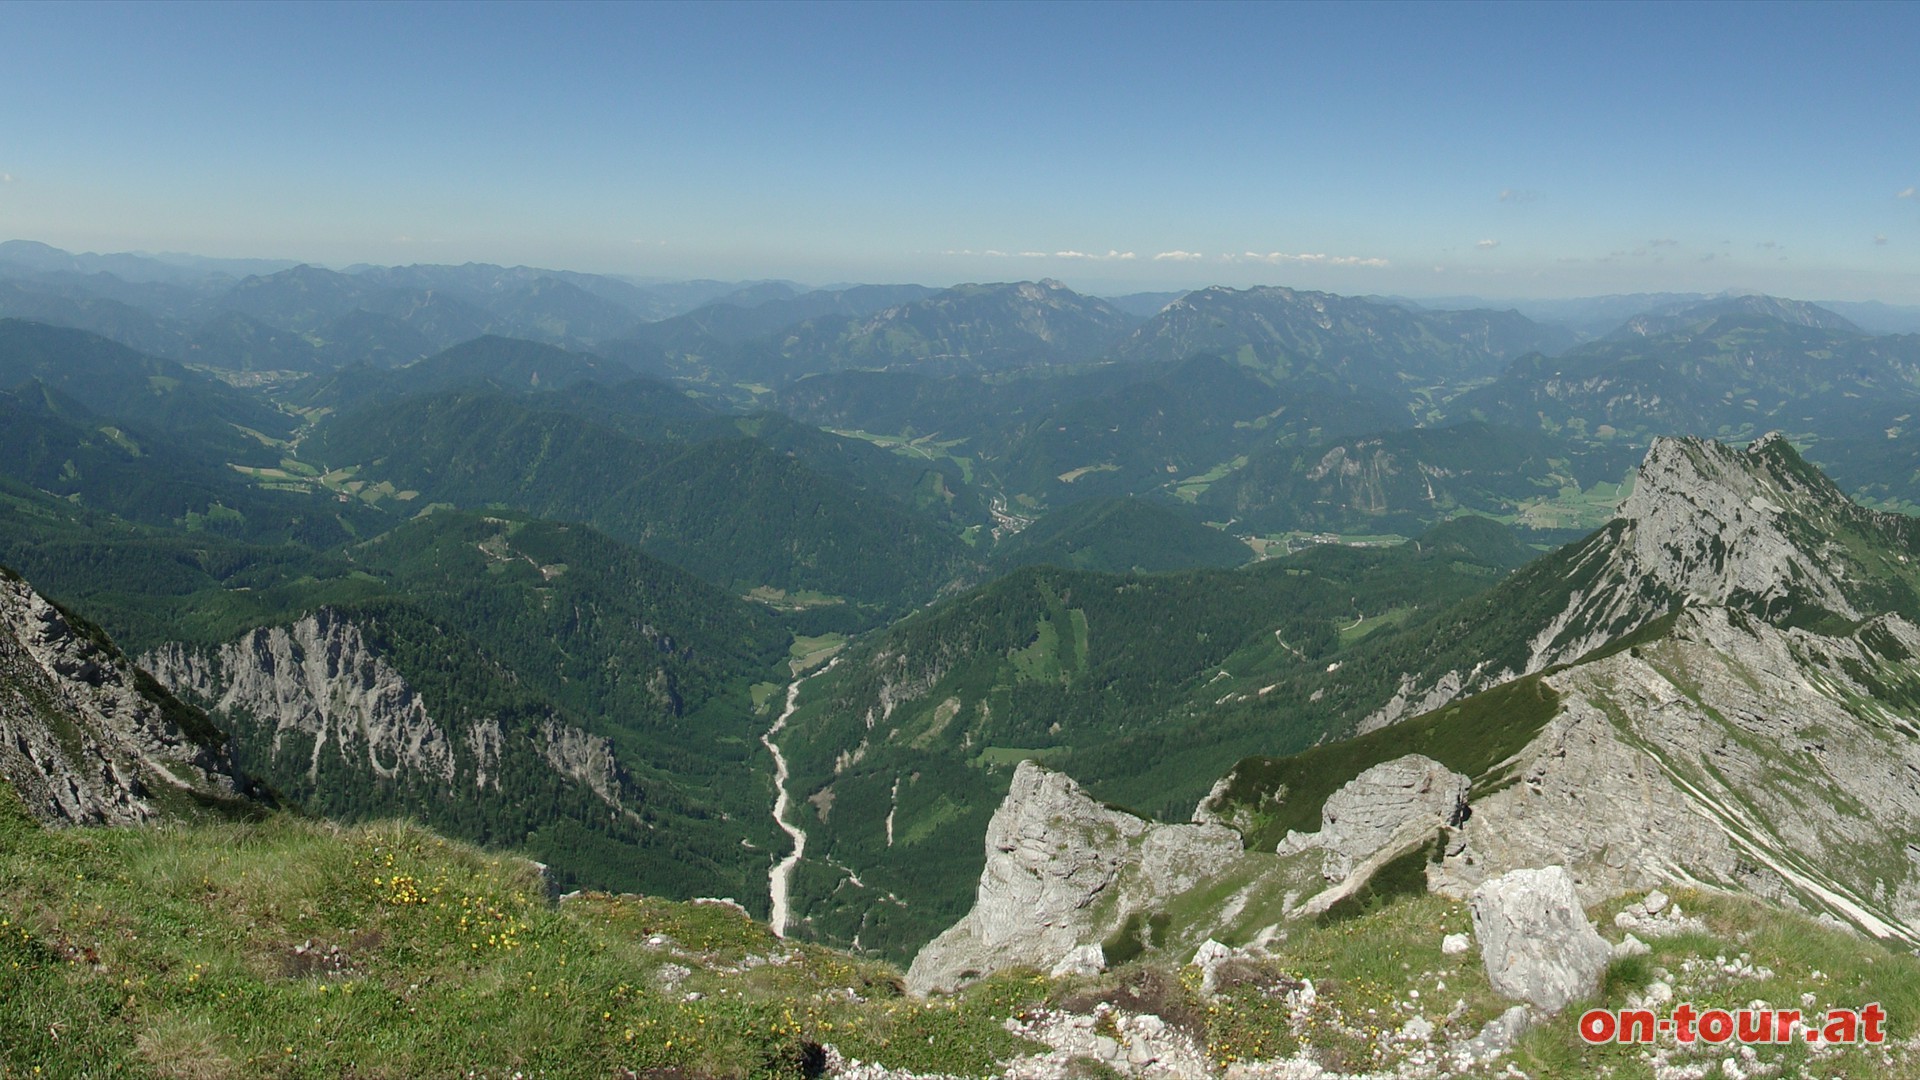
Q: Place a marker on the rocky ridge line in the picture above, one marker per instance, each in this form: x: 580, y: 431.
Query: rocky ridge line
x: 1705, y: 524
x: 86, y: 738
x: 317, y: 681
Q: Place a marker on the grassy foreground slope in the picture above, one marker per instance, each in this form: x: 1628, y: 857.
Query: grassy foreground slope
x: 291, y: 948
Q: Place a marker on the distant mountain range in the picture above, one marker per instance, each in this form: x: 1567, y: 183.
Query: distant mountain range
x: 1733, y: 368
x: 1291, y: 335
x: 1677, y: 318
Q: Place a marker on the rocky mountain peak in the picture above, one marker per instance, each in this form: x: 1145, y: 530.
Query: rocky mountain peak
x: 1707, y: 525
x: 1757, y: 529
x: 1718, y: 525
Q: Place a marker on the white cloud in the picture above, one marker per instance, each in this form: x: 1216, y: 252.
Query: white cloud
x: 1663, y: 242
x: 1880, y: 240
x: 1516, y: 195
x: 6, y: 178
x: 1275, y: 258
x: 1487, y: 245
x: 991, y: 253
x: 1908, y: 194
x: 1178, y: 256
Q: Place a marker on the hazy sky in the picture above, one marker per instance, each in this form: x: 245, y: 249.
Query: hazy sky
x: 1508, y: 151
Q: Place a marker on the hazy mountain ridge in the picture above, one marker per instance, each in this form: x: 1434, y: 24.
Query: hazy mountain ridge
x: 731, y: 509
x: 182, y: 308
x: 144, y: 392
x: 1394, y: 481
x: 967, y: 328
x: 1732, y: 375
x: 1288, y: 334
x: 1691, y: 316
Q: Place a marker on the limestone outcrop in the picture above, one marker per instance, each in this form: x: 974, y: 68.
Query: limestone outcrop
x: 1535, y: 938
x: 317, y: 691
x: 1733, y: 751
x: 317, y: 679
x: 1383, y: 810
x: 85, y: 737
x: 1063, y: 871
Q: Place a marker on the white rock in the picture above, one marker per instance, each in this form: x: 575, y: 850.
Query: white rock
x: 1384, y: 807
x: 1051, y: 850
x: 80, y: 742
x: 1455, y: 944
x: 1535, y: 939
x: 1826, y: 919
x: 1083, y: 960
x: 1499, y: 1034
x: 1210, y: 953
x: 319, y: 682
x: 1631, y: 946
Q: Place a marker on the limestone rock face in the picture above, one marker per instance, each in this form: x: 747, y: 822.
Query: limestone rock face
x: 1735, y: 752
x: 1705, y: 525
x: 1063, y: 871
x: 1384, y: 808
x: 1535, y: 938
x: 318, y: 689
x: 85, y: 738
x: 319, y: 679
x: 585, y: 757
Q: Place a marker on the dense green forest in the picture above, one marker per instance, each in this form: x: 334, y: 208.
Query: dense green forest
x: 1145, y: 687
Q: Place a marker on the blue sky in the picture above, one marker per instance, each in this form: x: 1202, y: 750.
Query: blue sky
x: 1506, y: 151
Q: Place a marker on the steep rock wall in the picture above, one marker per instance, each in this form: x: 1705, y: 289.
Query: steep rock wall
x: 1734, y: 752
x: 317, y: 688
x: 84, y: 737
